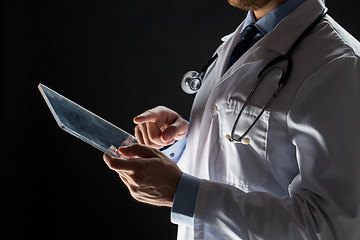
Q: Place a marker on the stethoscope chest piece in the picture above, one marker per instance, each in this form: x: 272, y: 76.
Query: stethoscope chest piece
x: 191, y: 82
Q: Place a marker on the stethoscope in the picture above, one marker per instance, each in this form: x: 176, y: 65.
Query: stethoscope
x: 193, y: 80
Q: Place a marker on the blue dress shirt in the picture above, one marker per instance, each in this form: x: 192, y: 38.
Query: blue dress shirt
x: 175, y: 151
x: 185, y: 197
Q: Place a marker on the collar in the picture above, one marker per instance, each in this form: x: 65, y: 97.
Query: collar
x: 278, y: 40
x: 272, y: 19
x: 282, y: 37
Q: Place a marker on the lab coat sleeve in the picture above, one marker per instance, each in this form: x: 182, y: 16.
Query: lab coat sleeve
x: 324, y: 198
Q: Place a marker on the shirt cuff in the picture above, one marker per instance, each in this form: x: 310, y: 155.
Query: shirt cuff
x: 175, y: 151
x: 182, y: 211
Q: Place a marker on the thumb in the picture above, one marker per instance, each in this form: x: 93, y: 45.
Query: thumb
x: 176, y: 131
x: 138, y: 150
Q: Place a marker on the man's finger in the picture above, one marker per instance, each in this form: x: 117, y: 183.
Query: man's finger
x: 154, y: 134
x: 118, y: 164
x: 147, y: 136
x: 138, y: 150
x: 144, y: 132
x: 177, y: 130
x: 138, y: 135
x: 148, y: 116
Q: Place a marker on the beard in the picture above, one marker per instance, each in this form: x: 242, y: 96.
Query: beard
x: 249, y: 4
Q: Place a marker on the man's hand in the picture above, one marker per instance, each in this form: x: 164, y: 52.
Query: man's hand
x: 159, y: 127
x: 149, y: 175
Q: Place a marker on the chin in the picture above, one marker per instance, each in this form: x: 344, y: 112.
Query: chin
x: 248, y: 5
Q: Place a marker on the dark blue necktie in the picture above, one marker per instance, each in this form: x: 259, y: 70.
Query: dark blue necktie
x: 250, y: 36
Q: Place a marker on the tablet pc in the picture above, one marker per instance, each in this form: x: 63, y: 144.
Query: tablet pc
x: 84, y: 124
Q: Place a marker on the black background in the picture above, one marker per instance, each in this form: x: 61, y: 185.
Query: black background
x: 116, y: 58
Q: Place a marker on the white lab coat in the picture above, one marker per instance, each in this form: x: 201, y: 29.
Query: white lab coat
x: 299, y: 178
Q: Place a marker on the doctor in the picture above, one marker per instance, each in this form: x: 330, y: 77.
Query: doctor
x: 298, y: 176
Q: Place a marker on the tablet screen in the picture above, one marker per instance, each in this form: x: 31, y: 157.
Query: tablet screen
x: 85, y: 125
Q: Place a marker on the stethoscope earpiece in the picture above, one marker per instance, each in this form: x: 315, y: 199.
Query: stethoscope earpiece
x: 243, y: 140
x: 191, y: 82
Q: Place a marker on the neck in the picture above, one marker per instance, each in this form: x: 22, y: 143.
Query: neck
x: 261, y: 12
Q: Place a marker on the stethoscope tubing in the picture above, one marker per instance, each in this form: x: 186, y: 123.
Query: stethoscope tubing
x: 283, y: 80
x: 285, y: 75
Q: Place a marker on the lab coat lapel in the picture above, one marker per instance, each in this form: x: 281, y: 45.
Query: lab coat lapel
x: 282, y: 37
x: 224, y: 54
x: 274, y: 43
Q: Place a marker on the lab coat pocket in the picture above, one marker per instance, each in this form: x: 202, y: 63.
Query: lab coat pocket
x: 237, y: 164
